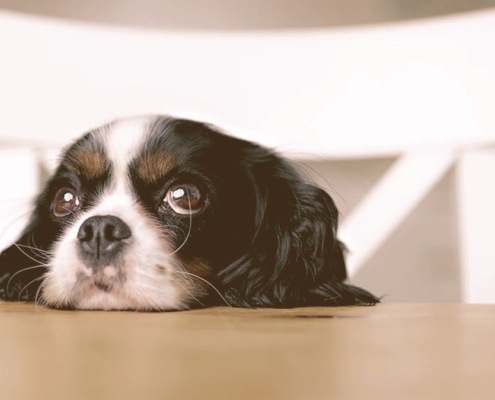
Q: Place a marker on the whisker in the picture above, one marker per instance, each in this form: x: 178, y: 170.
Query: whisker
x: 37, y: 294
x: 189, y: 292
x: 22, y: 270
x: 31, y: 237
x: 190, y: 227
x: 35, y: 246
x: 25, y: 287
x: 187, y: 236
x: 27, y: 255
x: 34, y: 249
x: 208, y: 283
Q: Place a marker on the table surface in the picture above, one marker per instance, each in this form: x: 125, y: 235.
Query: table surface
x: 391, y: 351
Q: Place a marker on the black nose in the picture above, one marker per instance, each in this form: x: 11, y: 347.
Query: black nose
x: 101, y: 239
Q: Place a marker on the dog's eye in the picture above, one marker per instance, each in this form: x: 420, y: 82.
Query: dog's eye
x: 64, y: 202
x: 184, y: 199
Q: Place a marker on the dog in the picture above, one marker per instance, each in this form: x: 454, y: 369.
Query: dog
x: 158, y: 213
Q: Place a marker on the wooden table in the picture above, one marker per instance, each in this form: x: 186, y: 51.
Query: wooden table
x: 391, y: 351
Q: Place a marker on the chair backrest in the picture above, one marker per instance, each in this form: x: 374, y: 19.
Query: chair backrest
x: 326, y: 92
x: 347, y: 92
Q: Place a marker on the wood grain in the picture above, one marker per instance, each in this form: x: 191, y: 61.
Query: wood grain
x: 391, y: 351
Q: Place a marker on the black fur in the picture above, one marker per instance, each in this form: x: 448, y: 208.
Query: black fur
x: 269, y: 236
x: 295, y: 258
x: 21, y: 267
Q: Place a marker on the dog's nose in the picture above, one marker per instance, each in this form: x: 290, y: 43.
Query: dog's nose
x: 101, y: 239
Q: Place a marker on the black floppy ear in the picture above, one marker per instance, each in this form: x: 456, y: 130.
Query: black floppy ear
x: 23, y: 264
x: 295, y: 259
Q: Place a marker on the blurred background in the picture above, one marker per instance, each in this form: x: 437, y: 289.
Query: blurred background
x: 388, y: 104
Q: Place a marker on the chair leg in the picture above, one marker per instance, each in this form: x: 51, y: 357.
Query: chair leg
x: 389, y: 202
x: 19, y: 181
x: 476, y: 215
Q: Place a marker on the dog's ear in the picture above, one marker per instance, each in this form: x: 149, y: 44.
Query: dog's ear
x: 295, y: 259
x: 23, y: 264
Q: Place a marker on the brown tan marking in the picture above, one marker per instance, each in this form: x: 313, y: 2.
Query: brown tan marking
x: 88, y: 162
x: 161, y: 269
x: 153, y: 166
x: 195, y: 284
x: 197, y: 267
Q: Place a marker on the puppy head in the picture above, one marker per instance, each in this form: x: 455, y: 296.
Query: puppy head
x: 152, y: 213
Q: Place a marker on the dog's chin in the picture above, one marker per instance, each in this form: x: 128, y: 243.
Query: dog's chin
x: 95, y: 299
x: 91, y: 294
x: 117, y: 300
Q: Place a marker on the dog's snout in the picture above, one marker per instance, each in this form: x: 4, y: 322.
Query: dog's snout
x: 100, y: 239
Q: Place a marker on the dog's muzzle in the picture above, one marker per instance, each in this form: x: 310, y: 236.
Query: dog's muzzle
x: 101, y: 244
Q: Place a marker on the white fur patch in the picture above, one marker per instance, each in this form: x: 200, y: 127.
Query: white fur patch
x: 123, y: 142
